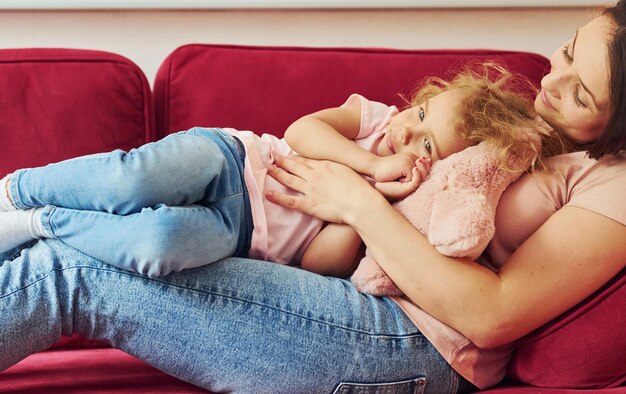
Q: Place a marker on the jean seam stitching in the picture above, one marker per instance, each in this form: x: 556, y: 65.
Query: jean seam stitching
x: 214, y: 293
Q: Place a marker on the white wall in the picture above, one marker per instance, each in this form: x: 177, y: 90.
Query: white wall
x: 148, y: 36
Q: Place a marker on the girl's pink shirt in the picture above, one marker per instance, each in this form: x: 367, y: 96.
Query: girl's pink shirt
x: 282, y: 235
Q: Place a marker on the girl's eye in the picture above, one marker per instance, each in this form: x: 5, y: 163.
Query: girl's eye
x: 421, y: 113
x: 427, y: 146
x: 577, y: 100
x: 566, y: 54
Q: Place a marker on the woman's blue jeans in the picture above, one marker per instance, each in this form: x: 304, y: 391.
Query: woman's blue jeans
x: 237, y: 325
x: 177, y: 203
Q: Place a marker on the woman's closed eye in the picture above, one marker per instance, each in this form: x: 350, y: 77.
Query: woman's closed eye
x: 568, y: 58
x: 577, y: 100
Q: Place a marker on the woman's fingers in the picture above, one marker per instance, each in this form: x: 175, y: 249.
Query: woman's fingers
x: 286, y: 200
x: 284, y: 177
x: 294, y: 164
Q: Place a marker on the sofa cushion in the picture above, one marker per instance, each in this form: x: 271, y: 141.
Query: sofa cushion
x: 584, y: 348
x: 264, y: 89
x: 61, y: 103
x: 62, y: 371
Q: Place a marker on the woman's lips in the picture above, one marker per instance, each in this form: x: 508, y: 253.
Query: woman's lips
x: 544, y: 98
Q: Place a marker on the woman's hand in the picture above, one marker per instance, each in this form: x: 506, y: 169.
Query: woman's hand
x: 329, y: 191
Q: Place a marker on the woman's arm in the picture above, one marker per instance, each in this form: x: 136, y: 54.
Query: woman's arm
x: 335, y: 251
x: 574, y: 253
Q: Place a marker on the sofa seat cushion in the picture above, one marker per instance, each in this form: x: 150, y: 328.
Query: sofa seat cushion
x: 88, y: 370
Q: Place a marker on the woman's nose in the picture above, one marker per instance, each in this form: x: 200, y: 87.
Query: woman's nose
x: 551, y: 83
x: 558, y: 79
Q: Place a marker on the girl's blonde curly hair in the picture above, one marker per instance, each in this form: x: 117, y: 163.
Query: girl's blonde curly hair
x: 493, y: 110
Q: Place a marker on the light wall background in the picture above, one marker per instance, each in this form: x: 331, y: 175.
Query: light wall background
x: 148, y: 36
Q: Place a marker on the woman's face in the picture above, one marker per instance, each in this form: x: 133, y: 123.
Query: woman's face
x: 574, y: 96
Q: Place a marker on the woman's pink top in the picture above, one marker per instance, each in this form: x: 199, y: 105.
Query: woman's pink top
x: 573, y: 180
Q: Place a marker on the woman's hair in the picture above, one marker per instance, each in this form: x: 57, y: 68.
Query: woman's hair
x: 493, y: 109
x: 612, y: 139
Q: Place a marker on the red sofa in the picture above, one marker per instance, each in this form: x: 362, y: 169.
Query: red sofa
x: 59, y: 103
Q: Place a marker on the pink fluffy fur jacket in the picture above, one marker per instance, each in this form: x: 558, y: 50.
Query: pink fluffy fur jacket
x: 454, y: 207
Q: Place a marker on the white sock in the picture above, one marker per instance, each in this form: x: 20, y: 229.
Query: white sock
x: 5, y: 202
x: 20, y: 226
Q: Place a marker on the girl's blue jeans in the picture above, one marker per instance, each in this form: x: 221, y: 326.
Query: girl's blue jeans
x: 237, y: 325
x: 177, y: 203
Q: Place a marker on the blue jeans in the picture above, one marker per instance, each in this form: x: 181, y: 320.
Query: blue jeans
x: 177, y: 203
x: 237, y: 325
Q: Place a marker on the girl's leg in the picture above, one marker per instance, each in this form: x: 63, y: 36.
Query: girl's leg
x: 237, y: 325
x: 159, y: 240
x: 181, y: 169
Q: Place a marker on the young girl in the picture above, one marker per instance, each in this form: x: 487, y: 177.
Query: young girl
x: 196, y: 196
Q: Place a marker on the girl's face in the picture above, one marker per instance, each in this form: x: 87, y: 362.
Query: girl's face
x: 574, y: 96
x: 426, y: 130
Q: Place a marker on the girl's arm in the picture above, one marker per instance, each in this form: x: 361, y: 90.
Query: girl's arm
x: 573, y: 254
x: 335, y: 251
x: 329, y: 135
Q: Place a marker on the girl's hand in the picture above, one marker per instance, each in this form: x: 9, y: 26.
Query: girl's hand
x: 329, y: 191
x: 398, y: 166
x: 397, y: 190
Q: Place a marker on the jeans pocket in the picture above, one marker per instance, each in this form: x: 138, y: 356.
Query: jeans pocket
x: 411, y: 386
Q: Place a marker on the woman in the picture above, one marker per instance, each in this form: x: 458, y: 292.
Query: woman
x: 249, y: 326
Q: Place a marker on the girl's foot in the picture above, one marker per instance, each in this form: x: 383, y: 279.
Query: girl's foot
x: 5, y: 200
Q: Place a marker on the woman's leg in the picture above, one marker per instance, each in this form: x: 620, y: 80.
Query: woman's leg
x: 159, y: 240
x: 237, y: 325
x: 181, y: 169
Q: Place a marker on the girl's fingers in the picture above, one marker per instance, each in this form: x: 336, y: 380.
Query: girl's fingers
x: 423, y: 167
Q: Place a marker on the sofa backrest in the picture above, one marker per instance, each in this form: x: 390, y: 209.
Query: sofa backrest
x: 264, y: 89
x: 60, y: 103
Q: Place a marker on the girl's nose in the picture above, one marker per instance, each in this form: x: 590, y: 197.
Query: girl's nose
x: 405, y: 136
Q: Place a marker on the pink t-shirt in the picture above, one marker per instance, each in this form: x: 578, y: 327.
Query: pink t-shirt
x: 282, y: 235
x: 573, y: 180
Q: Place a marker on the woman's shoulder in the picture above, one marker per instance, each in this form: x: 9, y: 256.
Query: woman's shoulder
x: 573, y: 180
x: 577, y: 169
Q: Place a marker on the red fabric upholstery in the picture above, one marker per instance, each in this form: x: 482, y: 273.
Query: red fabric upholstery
x: 88, y: 371
x: 264, y: 89
x: 60, y: 103
x: 585, y: 348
